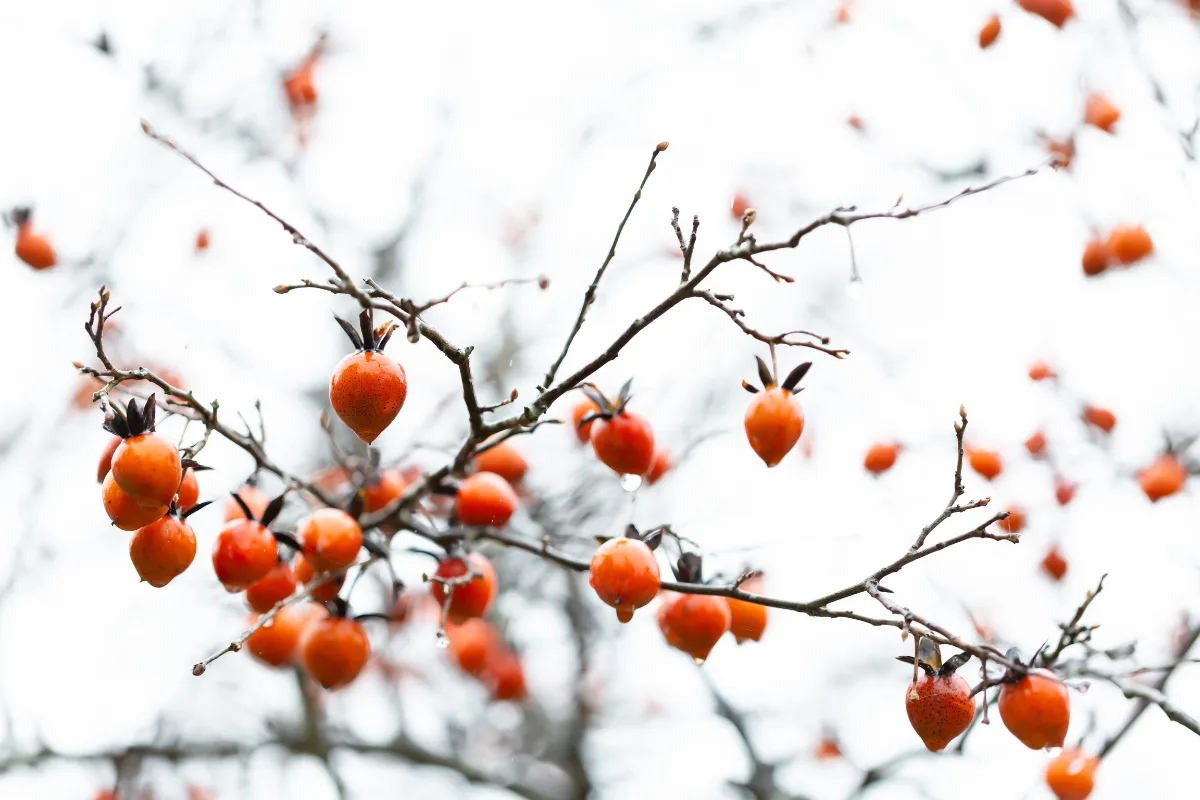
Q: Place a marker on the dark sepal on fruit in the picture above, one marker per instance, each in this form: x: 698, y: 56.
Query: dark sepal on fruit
x: 194, y: 466
x: 608, y: 409
x: 792, y: 382
x: 237, y: 498
x: 930, y: 659
x: 375, y: 548
x: 20, y: 215
x: 764, y: 373
x: 689, y: 568
x: 338, y: 607
x: 130, y: 421
x: 651, y: 538
x: 367, y: 337
x: 355, y: 505
x: 194, y: 508
x: 286, y: 538
x: 271, y: 512
x: 749, y: 387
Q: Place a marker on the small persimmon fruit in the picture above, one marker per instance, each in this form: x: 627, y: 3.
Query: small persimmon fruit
x: 471, y: 598
x: 989, y: 32
x: 243, y: 552
x: 1015, y: 521
x: 330, y: 539
x: 881, y: 457
x: 162, y: 550
x: 1056, y: 12
x: 1041, y: 371
x: 384, y: 488
x: 1036, y: 444
x: 624, y: 574
x: 987, y: 463
x: 253, y: 497
x: 939, y: 702
x: 1099, y: 112
x: 471, y: 644
x: 202, y: 240
x: 739, y: 204
x: 189, y: 490
x: 31, y: 247
x: 504, y: 460
x: 324, y: 591
x: 275, y: 643
x: 485, y: 499
x: 1054, y: 563
x: 505, y: 676
x: 622, y: 440
x: 1129, y: 244
x: 367, y: 389
x: 333, y: 650
x: 106, y: 459
x: 774, y: 419
x: 747, y: 621
x: 1037, y: 710
x: 659, y: 467
x: 1164, y: 477
x: 694, y: 623
x: 145, y: 465
x: 278, y: 584
x: 1097, y: 257
x: 1100, y: 418
x: 582, y: 409
x: 1064, y: 491
x: 123, y: 511
x: 1072, y: 774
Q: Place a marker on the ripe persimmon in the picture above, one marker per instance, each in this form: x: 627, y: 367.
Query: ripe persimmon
x: 367, y: 389
x: 471, y: 644
x: 774, y: 419
x: 323, y: 592
x: 1054, y: 563
x: 1099, y: 112
x: 880, y: 457
x: 989, y: 32
x: 1041, y: 371
x: 1064, y: 491
x: 106, y: 459
x: 31, y: 247
x: 123, y: 511
x: 189, y: 490
x: 278, y: 584
x: 333, y: 650
x: 243, y: 552
x: 1100, y: 418
x: 330, y: 539
x: 162, y: 550
x: 987, y: 463
x: 1037, y: 710
x: 747, y: 621
x: 584, y: 408
x: 202, y: 240
x: 505, y: 676
x: 485, y: 498
x: 739, y: 204
x: 1056, y: 12
x: 1015, y: 521
x: 939, y: 702
x: 659, y: 467
x: 504, y: 460
x: 275, y: 643
x: 694, y: 623
x: 1036, y: 444
x: 622, y: 440
x: 382, y: 489
x: 145, y: 465
x: 472, y: 598
x: 624, y: 574
x: 253, y: 497
x: 1164, y: 477
x: 1096, y: 257
x: 1062, y: 151
x: 1129, y: 244
x: 1072, y: 774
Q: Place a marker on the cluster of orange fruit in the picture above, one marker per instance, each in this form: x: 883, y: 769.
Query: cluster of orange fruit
x: 1035, y: 707
x: 32, y: 247
x: 1124, y: 246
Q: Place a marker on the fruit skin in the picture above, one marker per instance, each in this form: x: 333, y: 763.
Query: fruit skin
x: 333, y: 650
x: 105, y: 464
x: 330, y: 539
x: 323, y: 593
x: 189, y: 490
x: 485, y: 498
x: 624, y: 574
x: 381, y: 492
x: 1015, y: 521
x: 774, y: 422
x: 989, y: 32
x: 1036, y: 710
x: 985, y: 462
x: 162, y: 550
x: 504, y: 460
x: 505, y: 676
x: 278, y: 584
x: 881, y: 457
x: 299, y: 86
x: 243, y: 552
x: 1063, y: 492
x: 253, y: 497
x: 939, y: 708
x: 367, y: 391
x: 659, y: 467
x: 1056, y: 12
x: 694, y: 623
x: 1099, y: 112
x: 1040, y: 371
x: 1129, y: 244
x: 34, y: 248
x: 1096, y: 257
x: 624, y: 443
x: 472, y: 643
x: 202, y: 241
x: 1100, y: 418
x: 275, y: 643
x: 747, y: 621
x: 147, y: 467
x: 472, y: 599
x: 1163, y: 478
x: 123, y: 511
x: 739, y: 204
x: 1072, y: 774
x: 1054, y: 564
x: 1036, y: 444
x: 581, y: 410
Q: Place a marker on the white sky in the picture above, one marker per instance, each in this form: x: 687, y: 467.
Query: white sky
x: 554, y: 108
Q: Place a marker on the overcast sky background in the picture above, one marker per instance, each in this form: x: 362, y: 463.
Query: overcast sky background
x: 506, y: 110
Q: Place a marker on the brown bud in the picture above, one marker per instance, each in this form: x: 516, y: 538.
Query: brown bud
x: 662, y: 146
x: 281, y: 289
x: 749, y: 217
x: 543, y: 282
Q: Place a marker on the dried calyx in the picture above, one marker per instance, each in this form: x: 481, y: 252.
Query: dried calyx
x: 608, y: 408
x: 929, y: 659
x: 131, y: 421
x: 652, y: 538
x: 791, y: 383
x: 366, y: 337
